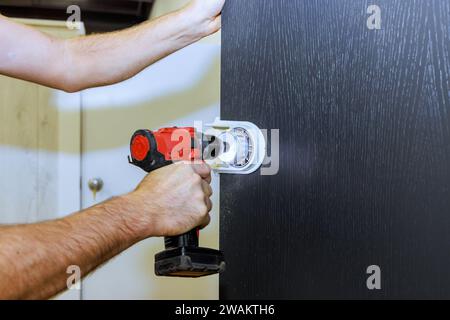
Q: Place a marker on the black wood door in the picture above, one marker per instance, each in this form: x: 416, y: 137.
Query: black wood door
x: 364, y: 119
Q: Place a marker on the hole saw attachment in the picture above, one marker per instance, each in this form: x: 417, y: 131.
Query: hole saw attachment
x: 229, y: 147
x: 237, y: 147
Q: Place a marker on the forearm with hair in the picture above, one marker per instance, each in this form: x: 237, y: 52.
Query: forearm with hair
x: 109, y: 58
x: 34, y: 258
x: 96, y: 60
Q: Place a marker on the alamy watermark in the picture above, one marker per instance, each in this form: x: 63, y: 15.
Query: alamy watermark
x: 74, y: 20
x: 374, y: 20
x: 74, y: 280
x: 374, y: 280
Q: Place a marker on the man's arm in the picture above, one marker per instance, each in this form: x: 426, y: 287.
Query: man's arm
x: 34, y: 258
x: 98, y: 60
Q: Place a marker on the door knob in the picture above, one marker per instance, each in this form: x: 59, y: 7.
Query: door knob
x: 95, y: 185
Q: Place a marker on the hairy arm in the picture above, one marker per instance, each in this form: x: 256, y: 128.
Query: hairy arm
x: 34, y: 258
x: 104, y: 59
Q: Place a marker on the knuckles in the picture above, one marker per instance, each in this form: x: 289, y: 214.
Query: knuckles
x: 201, y: 210
x: 199, y: 196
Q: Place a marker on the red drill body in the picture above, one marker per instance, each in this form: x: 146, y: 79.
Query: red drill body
x: 151, y: 150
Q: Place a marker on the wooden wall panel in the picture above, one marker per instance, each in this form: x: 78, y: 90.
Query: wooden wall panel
x: 364, y: 119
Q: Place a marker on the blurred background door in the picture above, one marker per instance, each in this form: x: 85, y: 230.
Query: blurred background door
x: 40, y: 153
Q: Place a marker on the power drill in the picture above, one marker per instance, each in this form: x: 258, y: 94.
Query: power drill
x: 182, y: 257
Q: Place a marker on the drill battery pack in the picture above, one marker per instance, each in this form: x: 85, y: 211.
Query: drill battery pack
x: 189, y: 262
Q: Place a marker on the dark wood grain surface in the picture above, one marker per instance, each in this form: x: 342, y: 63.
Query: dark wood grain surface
x: 364, y: 119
